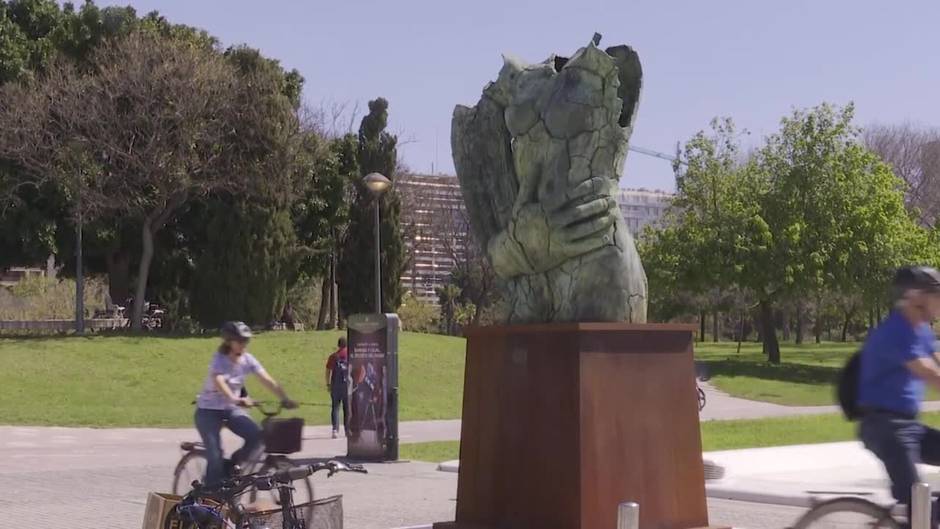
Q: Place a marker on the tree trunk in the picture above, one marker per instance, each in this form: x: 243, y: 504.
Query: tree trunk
x: 701, y: 325
x: 333, y: 322
x: 143, y: 272
x: 845, y: 324
x: 119, y: 276
x: 799, y: 323
x: 741, y: 332
x: 324, y: 313
x: 769, y: 332
x: 785, y: 325
x: 716, y: 326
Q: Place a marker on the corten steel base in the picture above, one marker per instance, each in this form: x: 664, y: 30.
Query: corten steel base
x: 563, y: 422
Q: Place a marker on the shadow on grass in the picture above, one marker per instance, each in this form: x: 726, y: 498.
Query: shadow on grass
x: 786, y: 372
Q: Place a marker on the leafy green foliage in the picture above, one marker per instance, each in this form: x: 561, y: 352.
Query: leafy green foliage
x: 811, y: 212
x: 376, y: 153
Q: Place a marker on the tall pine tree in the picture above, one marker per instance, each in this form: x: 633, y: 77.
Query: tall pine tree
x: 377, y: 153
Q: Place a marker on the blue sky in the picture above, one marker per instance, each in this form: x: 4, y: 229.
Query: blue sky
x: 753, y: 60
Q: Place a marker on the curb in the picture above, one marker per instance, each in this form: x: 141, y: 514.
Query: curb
x: 448, y: 466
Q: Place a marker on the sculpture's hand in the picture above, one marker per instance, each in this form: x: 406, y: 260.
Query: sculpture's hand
x: 542, y: 236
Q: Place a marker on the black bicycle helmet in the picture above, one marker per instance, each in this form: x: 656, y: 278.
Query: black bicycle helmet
x: 235, y: 330
x: 916, y: 278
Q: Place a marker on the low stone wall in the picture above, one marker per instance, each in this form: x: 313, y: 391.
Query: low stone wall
x: 92, y: 324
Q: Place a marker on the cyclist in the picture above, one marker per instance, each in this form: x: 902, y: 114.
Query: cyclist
x: 220, y: 403
x: 897, y: 360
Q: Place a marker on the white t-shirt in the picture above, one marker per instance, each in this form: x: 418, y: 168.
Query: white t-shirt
x: 211, y: 398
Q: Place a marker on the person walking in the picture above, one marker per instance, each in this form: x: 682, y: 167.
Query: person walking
x: 337, y: 380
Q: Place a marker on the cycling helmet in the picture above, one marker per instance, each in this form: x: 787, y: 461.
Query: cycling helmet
x: 235, y: 330
x: 916, y: 278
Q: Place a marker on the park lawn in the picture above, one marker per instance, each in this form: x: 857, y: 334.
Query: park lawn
x: 110, y: 381
x: 806, y: 376
x: 716, y: 435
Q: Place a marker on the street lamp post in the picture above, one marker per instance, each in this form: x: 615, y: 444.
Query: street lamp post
x: 377, y: 184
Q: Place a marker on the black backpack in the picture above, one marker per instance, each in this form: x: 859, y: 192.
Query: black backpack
x: 847, y: 387
x: 340, y: 372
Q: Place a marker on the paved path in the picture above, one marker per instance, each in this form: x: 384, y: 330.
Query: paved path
x: 82, y: 478
x: 721, y: 406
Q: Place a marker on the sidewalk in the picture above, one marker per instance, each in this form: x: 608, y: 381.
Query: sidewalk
x: 797, y: 475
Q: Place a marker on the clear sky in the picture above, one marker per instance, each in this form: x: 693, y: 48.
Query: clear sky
x: 753, y: 60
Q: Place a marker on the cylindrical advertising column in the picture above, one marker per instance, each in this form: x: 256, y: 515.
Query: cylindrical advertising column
x: 368, y: 388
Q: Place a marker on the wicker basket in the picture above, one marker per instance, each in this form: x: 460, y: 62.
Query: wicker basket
x: 283, y: 436
x: 327, y: 514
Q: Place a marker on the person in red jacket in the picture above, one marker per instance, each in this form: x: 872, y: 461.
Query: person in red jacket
x: 337, y: 380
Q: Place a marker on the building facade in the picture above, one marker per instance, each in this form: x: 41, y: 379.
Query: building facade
x: 643, y: 207
x: 436, y: 227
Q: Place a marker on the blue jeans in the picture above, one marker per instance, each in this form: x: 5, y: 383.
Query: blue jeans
x: 900, y: 443
x: 340, y: 397
x: 209, y: 423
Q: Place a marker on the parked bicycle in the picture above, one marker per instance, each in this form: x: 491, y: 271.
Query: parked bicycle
x: 701, y: 375
x: 221, y: 507
x: 281, y: 437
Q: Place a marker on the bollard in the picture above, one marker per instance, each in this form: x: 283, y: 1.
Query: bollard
x: 920, y: 506
x: 628, y: 515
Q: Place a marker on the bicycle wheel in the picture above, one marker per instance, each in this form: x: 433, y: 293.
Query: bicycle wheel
x: 701, y: 399
x: 270, y: 499
x: 192, y: 467
x: 847, y: 513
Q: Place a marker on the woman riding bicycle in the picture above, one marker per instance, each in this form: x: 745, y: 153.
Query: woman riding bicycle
x: 220, y: 402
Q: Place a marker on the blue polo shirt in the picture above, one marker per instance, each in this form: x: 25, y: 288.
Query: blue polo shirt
x: 885, y: 382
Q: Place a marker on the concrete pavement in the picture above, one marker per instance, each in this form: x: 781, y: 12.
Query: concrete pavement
x: 83, y: 478
x: 78, y: 478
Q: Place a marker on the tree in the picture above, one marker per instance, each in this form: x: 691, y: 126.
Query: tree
x: 471, y: 272
x: 914, y: 154
x: 140, y: 136
x: 252, y: 254
x: 111, y: 243
x: 322, y: 213
x: 834, y: 213
x: 376, y: 152
x: 810, y: 214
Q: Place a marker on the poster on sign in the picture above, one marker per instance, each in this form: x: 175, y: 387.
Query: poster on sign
x: 368, y: 388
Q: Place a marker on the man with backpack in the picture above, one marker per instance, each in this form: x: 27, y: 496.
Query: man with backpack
x: 896, y: 363
x: 337, y: 377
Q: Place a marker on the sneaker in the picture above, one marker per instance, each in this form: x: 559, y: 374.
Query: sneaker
x: 335, y: 434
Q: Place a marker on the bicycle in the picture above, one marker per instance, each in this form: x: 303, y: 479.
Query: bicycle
x: 850, y: 512
x: 701, y: 374
x: 219, y: 508
x: 280, y: 438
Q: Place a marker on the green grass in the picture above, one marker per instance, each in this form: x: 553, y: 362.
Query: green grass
x: 804, y: 378
x: 104, y: 381
x: 716, y: 435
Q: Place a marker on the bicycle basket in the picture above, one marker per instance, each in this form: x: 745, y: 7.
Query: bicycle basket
x: 327, y: 513
x: 283, y: 436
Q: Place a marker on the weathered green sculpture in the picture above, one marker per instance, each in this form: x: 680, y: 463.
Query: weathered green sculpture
x: 539, y: 159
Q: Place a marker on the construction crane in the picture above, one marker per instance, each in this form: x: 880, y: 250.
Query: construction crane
x: 655, y: 154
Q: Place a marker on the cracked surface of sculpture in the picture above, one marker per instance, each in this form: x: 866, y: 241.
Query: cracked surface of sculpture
x: 539, y: 159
